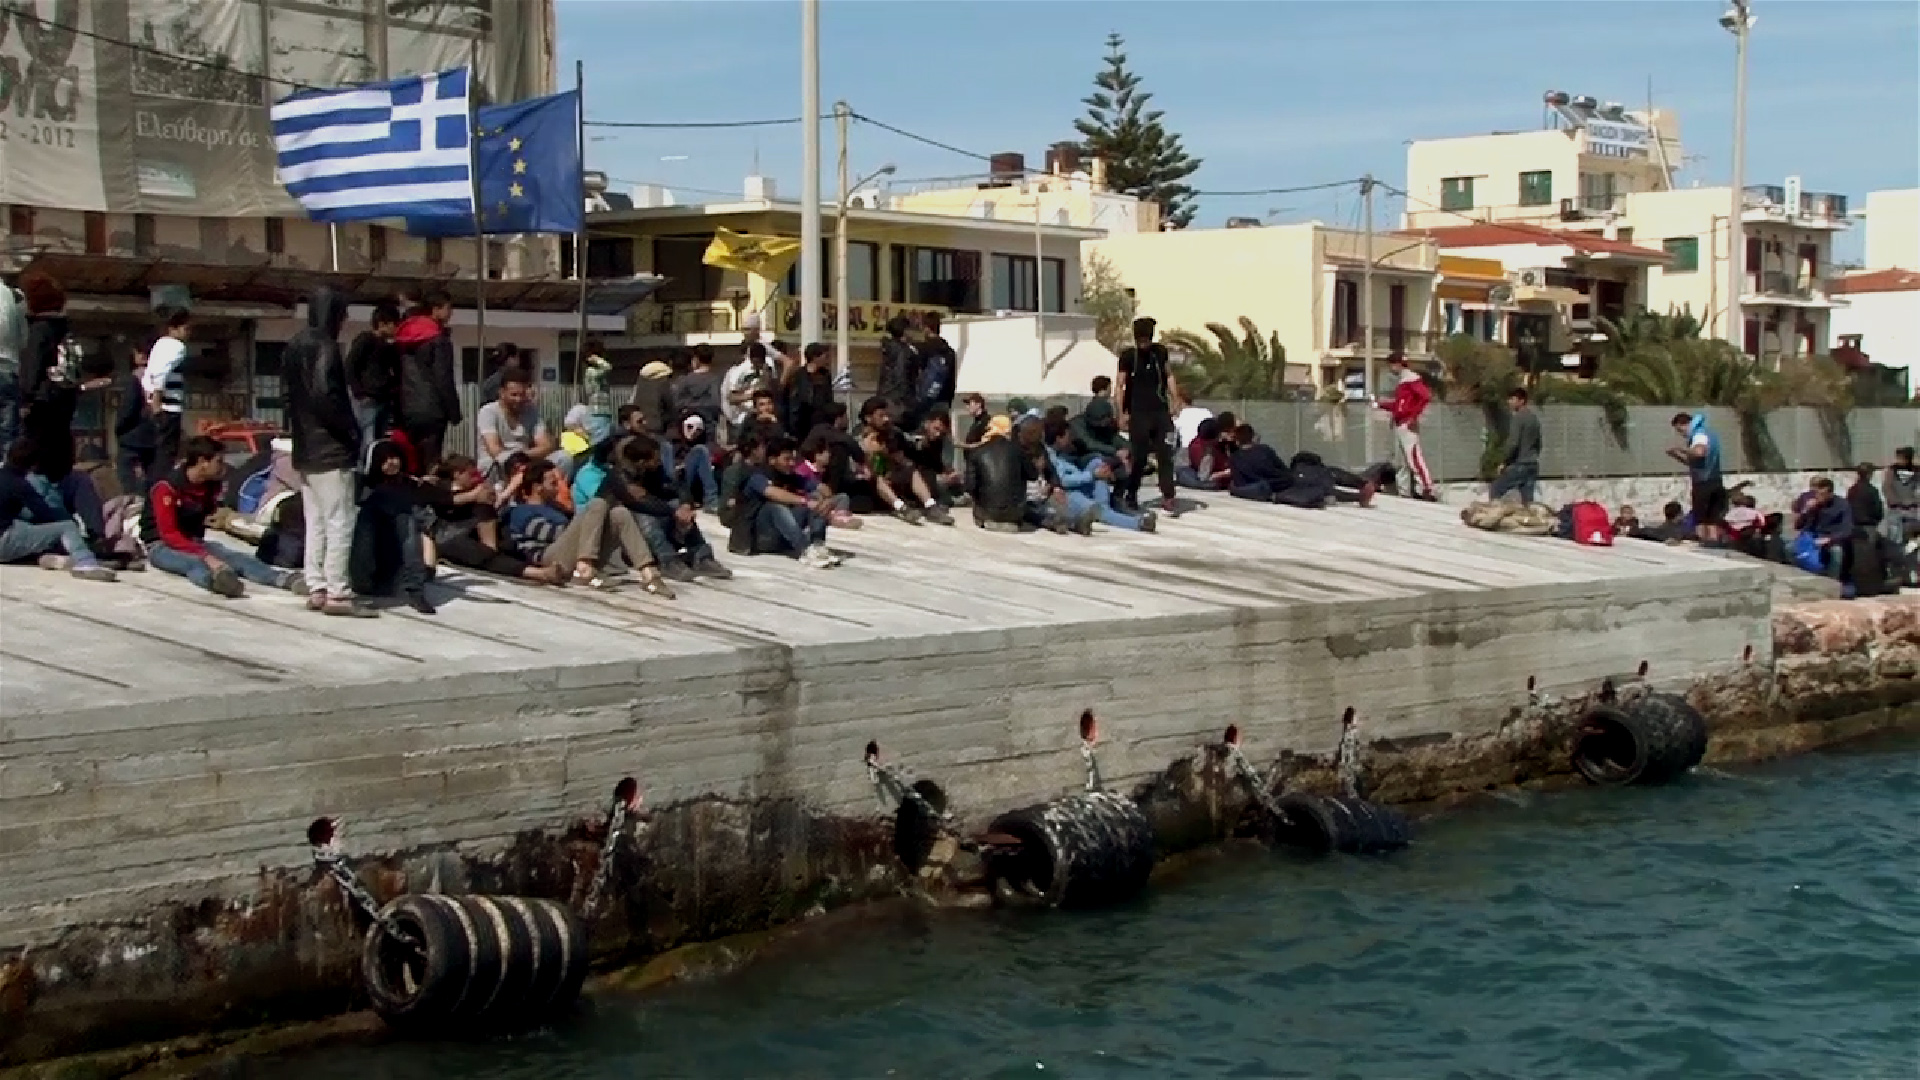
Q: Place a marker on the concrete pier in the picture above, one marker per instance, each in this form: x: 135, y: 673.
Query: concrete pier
x: 162, y: 750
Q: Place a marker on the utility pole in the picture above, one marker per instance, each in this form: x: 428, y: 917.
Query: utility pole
x: 810, y: 172
x: 1738, y: 21
x: 842, y: 333
x: 1366, y: 318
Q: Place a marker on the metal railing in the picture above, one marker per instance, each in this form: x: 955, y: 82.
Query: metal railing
x: 691, y: 317
x: 1386, y: 340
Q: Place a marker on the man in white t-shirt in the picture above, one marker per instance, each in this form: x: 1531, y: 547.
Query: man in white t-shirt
x: 510, y: 426
x: 165, y: 385
x: 1188, y: 420
x: 753, y: 372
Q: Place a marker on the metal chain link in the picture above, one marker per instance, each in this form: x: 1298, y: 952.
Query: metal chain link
x: 330, y: 859
x: 890, y: 788
x: 1347, y: 760
x: 609, y: 847
x: 1256, y: 783
x: 1094, y: 782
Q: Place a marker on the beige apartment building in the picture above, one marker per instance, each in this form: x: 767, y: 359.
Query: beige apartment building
x: 1300, y: 281
x: 1601, y: 170
x: 1070, y: 191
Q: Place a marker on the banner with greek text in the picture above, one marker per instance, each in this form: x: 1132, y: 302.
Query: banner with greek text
x: 160, y: 106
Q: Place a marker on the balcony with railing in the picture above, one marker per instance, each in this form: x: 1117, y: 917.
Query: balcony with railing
x: 1789, y: 289
x: 1346, y: 340
x: 1816, y: 209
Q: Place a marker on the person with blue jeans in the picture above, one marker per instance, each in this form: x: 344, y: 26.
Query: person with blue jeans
x: 1522, y: 468
x: 773, y: 517
x: 173, y: 525
x: 1089, y: 485
x: 690, y: 460
x: 1829, y: 520
x: 639, y: 485
x: 31, y: 528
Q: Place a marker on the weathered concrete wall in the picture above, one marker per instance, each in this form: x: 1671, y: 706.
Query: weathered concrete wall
x: 153, y: 873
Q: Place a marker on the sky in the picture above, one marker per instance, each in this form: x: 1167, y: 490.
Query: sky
x: 1273, y: 94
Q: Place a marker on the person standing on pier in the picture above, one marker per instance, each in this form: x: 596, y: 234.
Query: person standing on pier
x: 1146, y: 392
x: 1522, y: 469
x: 1410, y: 399
x: 326, y: 451
x: 1701, y: 456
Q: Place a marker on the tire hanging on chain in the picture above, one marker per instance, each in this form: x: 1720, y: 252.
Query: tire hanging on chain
x: 1085, y: 850
x: 1325, y: 824
x: 1654, y: 740
x: 474, y: 963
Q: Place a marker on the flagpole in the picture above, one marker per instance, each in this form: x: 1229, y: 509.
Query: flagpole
x: 580, y: 238
x: 479, y: 228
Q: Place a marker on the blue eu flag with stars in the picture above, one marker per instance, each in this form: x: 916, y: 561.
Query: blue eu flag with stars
x: 527, y: 170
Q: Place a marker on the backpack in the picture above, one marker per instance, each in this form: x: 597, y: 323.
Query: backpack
x: 1591, y: 525
x: 935, y: 379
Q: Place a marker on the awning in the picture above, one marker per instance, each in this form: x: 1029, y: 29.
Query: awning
x: 114, y: 275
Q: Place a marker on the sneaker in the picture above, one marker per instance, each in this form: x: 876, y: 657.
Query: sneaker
x: 938, y: 515
x: 1170, y: 507
x: 93, y: 572
x: 346, y: 607
x: 418, y: 601
x: 710, y: 567
x: 1083, y: 521
x: 296, y: 583
x: 1367, y: 491
x: 1057, y: 522
x: 961, y: 502
x: 1149, y: 521
x: 842, y: 520
x: 819, y: 558
x: 225, y: 582
x: 909, y: 515
x: 52, y: 561
x: 316, y: 600
x: 136, y: 565
x: 676, y: 570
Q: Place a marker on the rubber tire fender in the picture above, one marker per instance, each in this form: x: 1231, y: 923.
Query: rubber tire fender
x: 1084, y: 850
x: 420, y: 992
x: 1335, y: 823
x: 1654, y: 740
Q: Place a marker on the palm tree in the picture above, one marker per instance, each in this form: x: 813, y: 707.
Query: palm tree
x: 1246, y: 366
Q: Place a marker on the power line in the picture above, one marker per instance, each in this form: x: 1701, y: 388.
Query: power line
x: 952, y: 149
x: 693, y: 124
x: 190, y: 61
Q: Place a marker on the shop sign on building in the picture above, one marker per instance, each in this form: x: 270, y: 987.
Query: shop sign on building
x: 865, y: 319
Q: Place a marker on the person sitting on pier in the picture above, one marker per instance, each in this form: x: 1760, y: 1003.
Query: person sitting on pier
x: 1204, y: 464
x: 639, y: 484
x: 688, y: 458
x: 886, y: 447
x: 389, y: 549
x: 928, y: 454
x: 1089, y: 486
x: 544, y: 535
x: 998, y: 478
x: 815, y: 461
x: 774, y: 516
x: 1829, y: 520
x: 762, y: 417
x: 1306, y: 481
x: 1047, y: 502
x: 29, y: 528
x: 465, y: 529
x: 512, y: 425
x: 174, y: 527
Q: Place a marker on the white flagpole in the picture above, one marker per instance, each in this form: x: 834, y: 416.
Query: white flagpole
x: 479, y: 229
x: 580, y: 238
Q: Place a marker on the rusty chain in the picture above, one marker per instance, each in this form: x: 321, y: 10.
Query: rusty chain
x: 617, y: 816
x: 331, y: 860
x: 1256, y: 783
x: 1094, y: 782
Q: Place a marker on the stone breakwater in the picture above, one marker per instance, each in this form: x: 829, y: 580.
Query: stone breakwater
x: 712, y: 867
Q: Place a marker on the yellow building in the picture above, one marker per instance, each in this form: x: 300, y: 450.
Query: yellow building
x: 1064, y: 194
x: 1574, y: 173
x: 898, y: 263
x: 1299, y: 281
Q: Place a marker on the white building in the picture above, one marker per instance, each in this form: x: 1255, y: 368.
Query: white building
x: 1882, y: 316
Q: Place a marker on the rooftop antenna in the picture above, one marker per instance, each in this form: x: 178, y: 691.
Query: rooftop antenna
x: 756, y: 155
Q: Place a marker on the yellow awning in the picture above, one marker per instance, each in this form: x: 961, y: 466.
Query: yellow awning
x: 1491, y: 271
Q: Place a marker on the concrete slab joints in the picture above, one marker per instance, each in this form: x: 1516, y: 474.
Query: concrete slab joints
x: 162, y: 749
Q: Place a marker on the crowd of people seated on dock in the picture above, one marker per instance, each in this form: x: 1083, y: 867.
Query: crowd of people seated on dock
x: 762, y: 454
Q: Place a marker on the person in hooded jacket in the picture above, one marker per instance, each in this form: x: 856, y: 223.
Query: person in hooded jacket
x: 429, y: 401
x: 373, y: 374
x: 899, y: 369
x: 326, y: 449
x: 49, y: 391
x: 1901, y: 488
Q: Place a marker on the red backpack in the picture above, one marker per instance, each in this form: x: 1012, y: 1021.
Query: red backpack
x: 1592, y: 525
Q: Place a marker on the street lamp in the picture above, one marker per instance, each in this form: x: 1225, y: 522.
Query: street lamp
x: 842, y: 333
x: 1738, y: 20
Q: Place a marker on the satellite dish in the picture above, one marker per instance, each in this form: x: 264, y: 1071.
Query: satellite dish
x: 1500, y: 295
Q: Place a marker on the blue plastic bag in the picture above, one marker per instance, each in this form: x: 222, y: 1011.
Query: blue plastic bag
x: 1807, y: 554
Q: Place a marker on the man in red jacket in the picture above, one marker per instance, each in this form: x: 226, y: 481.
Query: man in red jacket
x: 1410, y: 399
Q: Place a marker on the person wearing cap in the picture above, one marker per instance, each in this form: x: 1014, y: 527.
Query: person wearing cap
x: 1147, y: 389
x: 691, y: 463
x: 1410, y: 398
x: 650, y: 395
x: 998, y: 478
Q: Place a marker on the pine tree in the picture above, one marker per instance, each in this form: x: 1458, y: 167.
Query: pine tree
x: 1142, y: 158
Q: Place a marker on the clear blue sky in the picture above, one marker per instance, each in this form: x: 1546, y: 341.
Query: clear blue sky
x: 1269, y: 94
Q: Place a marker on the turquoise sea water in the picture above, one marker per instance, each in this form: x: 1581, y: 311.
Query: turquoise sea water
x: 1758, y: 923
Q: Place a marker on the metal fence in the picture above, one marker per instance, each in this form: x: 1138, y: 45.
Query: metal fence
x: 1578, y: 440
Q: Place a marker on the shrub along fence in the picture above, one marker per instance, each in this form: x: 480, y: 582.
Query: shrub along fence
x: 1579, y: 440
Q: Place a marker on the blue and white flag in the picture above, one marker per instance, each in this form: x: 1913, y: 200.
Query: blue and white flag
x: 395, y: 149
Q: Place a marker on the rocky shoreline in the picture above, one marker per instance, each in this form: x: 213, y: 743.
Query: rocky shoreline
x: 711, y: 882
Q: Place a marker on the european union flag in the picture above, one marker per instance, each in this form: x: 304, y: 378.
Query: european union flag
x: 527, y: 163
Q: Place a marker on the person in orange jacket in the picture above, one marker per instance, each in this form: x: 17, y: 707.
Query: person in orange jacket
x: 1410, y: 399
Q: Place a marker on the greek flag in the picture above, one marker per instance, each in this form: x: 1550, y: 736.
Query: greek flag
x: 395, y: 149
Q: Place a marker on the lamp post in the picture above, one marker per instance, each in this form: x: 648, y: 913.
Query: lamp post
x: 842, y: 331
x: 810, y: 172
x: 1738, y: 21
